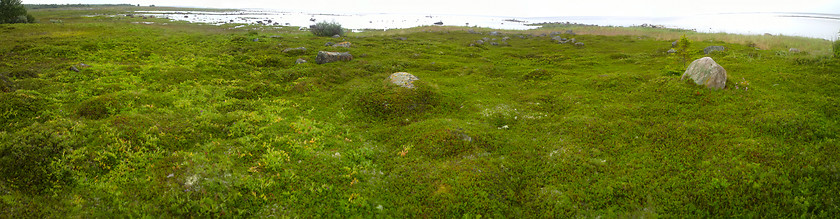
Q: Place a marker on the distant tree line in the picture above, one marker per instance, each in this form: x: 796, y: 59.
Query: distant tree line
x: 47, y: 6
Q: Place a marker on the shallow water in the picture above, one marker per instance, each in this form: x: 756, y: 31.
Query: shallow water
x: 808, y: 25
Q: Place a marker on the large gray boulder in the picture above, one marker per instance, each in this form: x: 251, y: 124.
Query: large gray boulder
x: 711, y: 49
x: 403, y: 79
x: 707, y: 72
x: 327, y: 57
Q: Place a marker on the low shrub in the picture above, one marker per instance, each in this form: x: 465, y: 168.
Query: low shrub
x: 391, y: 101
x: 30, y: 159
x: 326, y: 29
x: 837, y: 48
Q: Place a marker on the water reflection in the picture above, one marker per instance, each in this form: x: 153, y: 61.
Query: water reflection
x: 825, y: 26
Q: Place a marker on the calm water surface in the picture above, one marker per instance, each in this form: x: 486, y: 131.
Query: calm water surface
x: 824, y: 26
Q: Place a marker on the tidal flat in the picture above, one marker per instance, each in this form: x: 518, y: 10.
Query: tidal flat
x: 118, y: 116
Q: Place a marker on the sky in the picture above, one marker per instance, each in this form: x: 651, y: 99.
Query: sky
x: 513, y: 8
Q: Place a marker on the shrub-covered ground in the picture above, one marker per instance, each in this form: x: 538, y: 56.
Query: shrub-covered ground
x: 170, y: 119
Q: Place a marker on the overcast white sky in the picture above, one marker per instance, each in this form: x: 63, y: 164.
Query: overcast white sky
x: 514, y: 8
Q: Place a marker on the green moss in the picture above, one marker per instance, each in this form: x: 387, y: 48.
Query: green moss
x: 195, y: 120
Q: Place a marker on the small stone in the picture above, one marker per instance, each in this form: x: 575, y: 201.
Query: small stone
x: 336, y: 36
x: 672, y: 51
x: 300, y: 61
x: 170, y: 175
x: 403, y: 79
x: 73, y: 68
x: 579, y: 44
x: 327, y: 57
x: 793, y: 50
x: 256, y: 39
x: 295, y: 50
x: 83, y: 65
x: 711, y: 49
x: 343, y: 44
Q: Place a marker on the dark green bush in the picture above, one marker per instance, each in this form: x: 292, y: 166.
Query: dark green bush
x: 326, y: 29
x: 20, y: 109
x: 537, y: 74
x: 12, y: 11
x: 30, y: 160
x: 96, y: 108
x: 391, y: 101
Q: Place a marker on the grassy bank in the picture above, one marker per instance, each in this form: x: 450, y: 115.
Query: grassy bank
x: 170, y: 119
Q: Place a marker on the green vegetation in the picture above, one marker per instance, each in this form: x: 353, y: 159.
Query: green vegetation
x: 326, y: 29
x: 12, y: 11
x: 682, y: 49
x: 172, y: 119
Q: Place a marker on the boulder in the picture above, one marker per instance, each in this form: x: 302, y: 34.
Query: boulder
x: 73, y: 68
x: 327, y: 57
x: 793, y: 50
x: 672, y: 51
x: 705, y: 71
x: 711, y: 49
x: 300, y: 61
x: 344, y: 44
x: 495, y: 33
x: 579, y: 44
x: 336, y: 36
x: 403, y: 79
x: 256, y: 39
x: 329, y: 44
x: 295, y: 50
x: 570, y: 32
x: 494, y: 43
x: 674, y: 44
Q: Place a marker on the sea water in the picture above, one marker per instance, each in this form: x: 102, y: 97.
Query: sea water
x: 824, y: 26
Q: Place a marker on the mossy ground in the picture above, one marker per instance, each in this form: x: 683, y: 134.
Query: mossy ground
x: 185, y: 120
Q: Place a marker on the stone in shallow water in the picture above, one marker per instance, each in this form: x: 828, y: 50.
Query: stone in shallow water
x: 705, y: 71
x: 403, y: 79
